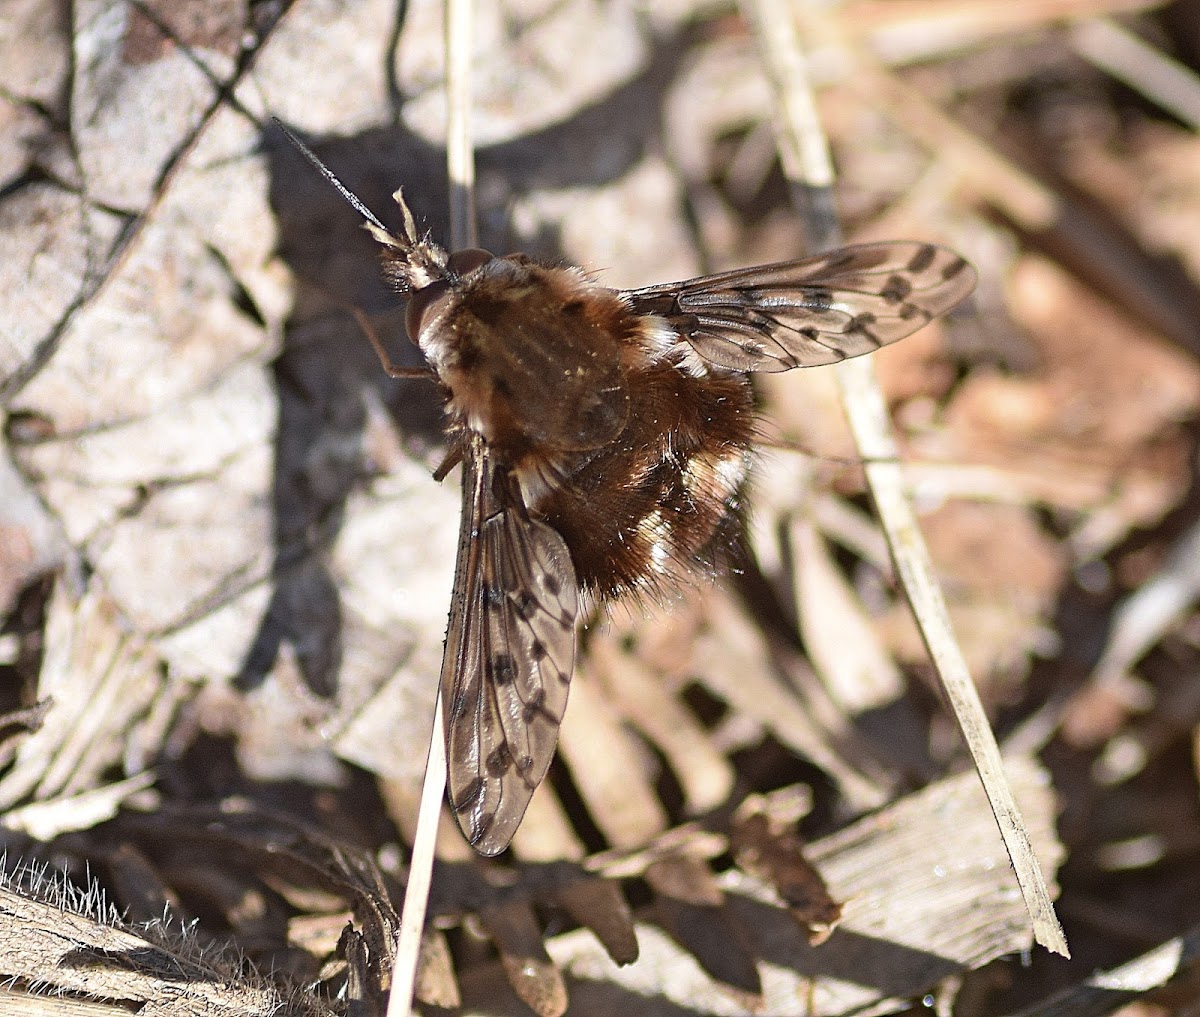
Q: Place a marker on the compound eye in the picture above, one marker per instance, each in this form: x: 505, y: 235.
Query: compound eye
x: 419, y: 304
x: 462, y: 262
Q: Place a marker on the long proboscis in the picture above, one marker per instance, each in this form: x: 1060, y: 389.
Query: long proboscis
x: 418, y: 259
x: 329, y: 175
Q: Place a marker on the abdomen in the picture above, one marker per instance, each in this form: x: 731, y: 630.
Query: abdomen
x: 661, y: 500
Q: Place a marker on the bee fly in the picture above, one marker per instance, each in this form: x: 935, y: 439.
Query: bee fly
x: 604, y: 437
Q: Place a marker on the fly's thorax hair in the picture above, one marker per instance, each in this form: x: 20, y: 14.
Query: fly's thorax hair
x: 532, y: 354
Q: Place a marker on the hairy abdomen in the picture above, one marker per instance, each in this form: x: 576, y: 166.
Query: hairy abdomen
x: 661, y: 500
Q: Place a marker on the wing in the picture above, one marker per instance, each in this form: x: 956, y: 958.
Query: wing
x: 815, y: 311
x: 510, y: 652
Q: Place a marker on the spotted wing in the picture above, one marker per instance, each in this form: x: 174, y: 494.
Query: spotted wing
x: 510, y: 652
x: 816, y: 311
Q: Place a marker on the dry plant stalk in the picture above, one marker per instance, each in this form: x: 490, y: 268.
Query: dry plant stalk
x: 57, y: 944
x: 806, y: 159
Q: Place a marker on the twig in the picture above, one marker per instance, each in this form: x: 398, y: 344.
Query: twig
x: 460, y: 147
x: 1139, y: 65
x: 805, y: 155
x: 420, y: 872
x: 460, y: 160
